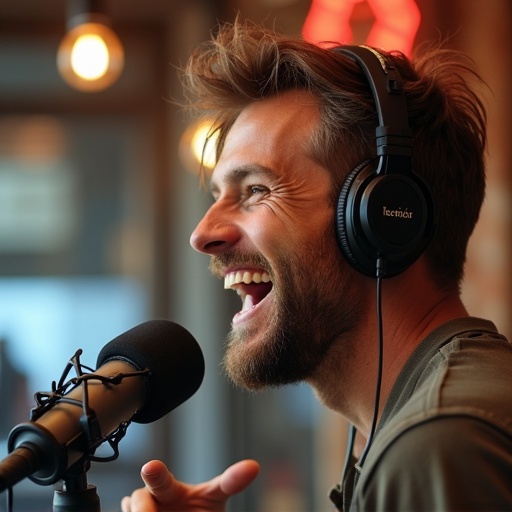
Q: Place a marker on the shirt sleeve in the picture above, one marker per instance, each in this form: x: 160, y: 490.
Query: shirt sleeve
x: 452, y: 463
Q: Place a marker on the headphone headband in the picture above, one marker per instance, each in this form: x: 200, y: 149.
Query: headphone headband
x: 385, y: 211
x: 393, y: 135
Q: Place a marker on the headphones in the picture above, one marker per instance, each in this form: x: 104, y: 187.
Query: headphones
x: 385, y: 212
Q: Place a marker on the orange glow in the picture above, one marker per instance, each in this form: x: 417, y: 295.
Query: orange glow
x: 394, y: 28
x: 90, y: 57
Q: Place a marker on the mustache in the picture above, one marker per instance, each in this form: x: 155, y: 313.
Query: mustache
x: 232, y: 258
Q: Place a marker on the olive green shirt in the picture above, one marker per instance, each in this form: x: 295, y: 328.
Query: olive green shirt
x: 444, y: 442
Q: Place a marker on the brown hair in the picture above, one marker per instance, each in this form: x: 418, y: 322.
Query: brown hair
x: 244, y: 63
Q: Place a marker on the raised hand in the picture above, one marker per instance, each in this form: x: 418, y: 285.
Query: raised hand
x: 163, y: 493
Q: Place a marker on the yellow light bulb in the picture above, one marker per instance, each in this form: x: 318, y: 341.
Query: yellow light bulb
x: 90, y: 57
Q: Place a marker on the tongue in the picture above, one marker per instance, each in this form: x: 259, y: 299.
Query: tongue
x: 248, y: 303
x: 255, y: 293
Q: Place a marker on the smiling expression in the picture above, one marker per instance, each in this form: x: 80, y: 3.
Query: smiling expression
x: 270, y: 235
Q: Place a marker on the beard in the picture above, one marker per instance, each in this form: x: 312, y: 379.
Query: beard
x: 315, y: 305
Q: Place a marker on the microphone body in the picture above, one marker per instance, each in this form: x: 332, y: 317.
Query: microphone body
x: 54, y: 442
x: 46, y: 448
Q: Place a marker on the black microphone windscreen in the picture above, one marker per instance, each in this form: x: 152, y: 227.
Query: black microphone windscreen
x: 172, y: 355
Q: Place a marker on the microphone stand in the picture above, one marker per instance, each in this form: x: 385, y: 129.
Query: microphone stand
x: 75, y: 495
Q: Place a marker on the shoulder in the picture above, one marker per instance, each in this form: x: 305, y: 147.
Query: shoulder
x: 469, y: 376
x: 472, y: 376
x: 447, y: 445
x: 454, y: 462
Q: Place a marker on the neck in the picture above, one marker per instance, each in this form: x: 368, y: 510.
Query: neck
x: 412, y: 307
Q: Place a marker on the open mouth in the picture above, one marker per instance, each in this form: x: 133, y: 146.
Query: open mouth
x: 252, y: 286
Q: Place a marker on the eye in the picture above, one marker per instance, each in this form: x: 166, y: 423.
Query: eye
x: 253, y: 194
x: 257, y: 189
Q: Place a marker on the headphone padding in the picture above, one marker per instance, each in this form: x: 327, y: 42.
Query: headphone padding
x: 344, y: 215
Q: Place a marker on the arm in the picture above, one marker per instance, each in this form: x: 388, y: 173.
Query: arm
x: 163, y: 493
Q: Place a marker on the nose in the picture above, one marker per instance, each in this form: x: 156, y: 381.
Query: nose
x: 216, y: 232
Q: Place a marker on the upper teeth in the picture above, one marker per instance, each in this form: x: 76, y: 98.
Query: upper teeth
x: 245, y: 276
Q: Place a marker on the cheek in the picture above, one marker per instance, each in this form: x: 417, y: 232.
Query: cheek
x: 268, y: 232
x: 299, y: 235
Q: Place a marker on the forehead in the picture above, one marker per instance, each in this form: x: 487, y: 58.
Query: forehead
x: 274, y: 133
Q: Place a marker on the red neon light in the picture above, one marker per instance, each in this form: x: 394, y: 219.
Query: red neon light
x: 395, y: 26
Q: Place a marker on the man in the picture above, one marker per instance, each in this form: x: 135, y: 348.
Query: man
x: 292, y: 233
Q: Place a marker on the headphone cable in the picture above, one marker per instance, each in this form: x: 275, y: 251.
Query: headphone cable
x: 380, y: 273
x: 336, y: 493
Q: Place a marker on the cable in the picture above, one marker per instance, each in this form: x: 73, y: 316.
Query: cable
x: 336, y: 493
x: 380, y: 273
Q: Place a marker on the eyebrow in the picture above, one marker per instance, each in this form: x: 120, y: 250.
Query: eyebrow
x: 238, y: 174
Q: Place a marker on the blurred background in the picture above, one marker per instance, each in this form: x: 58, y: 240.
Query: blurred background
x: 99, y: 195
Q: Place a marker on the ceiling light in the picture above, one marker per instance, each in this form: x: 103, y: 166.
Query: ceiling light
x: 90, y: 57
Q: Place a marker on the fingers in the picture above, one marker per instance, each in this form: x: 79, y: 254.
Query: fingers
x: 164, y: 493
x: 238, y: 476
x: 161, y: 483
x: 139, y: 501
x: 161, y: 490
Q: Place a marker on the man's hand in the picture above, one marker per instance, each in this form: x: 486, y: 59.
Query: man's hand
x: 163, y: 493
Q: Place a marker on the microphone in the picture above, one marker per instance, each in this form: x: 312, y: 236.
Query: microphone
x: 44, y: 449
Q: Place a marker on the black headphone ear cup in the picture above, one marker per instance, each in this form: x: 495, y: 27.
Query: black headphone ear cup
x: 383, y: 216
x: 344, y: 214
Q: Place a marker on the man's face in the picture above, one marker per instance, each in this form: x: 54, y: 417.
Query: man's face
x: 270, y: 234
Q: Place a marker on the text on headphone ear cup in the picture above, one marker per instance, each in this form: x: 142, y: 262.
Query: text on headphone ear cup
x: 383, y: 216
